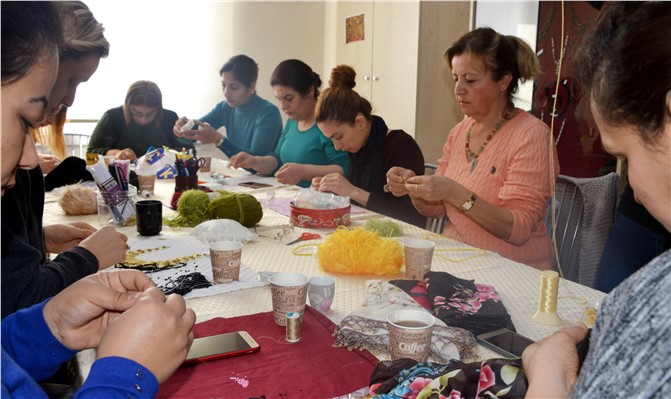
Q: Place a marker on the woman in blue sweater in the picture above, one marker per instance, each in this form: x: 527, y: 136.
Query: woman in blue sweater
x: 303, y: 152
x: 251, y: 123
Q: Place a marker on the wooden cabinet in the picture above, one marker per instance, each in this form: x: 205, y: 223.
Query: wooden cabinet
x: 400, y: 66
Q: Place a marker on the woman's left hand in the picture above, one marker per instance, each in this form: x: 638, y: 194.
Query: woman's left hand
x: 334, y: 183
x: 429, y: 188
x: 48, y: 162
x: 551, y: 365
x: 61, y: 237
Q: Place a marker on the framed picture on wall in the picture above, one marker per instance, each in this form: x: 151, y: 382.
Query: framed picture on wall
x: 354, y: 28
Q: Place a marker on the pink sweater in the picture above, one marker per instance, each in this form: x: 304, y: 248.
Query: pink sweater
x: 512, y: 172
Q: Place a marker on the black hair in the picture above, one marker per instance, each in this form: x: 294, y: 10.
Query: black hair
x: 297, y: 75
x: 244, y: 69
x: 29, y: 31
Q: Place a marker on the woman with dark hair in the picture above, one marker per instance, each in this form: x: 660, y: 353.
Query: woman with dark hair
x: 28, y: 274
x: 624, y: 67
x: 345, y: 118
x: 497, y: 171
x: 302, y: 152
x: 244, y: 121
x: 129, y: 130
x: 102, y: 311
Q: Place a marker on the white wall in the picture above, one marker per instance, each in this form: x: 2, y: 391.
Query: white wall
x: 181, y: 45
x: 517, y: 18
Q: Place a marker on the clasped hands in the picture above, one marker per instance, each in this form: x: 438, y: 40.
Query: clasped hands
x: 122, y: 313
x: 401, y: 181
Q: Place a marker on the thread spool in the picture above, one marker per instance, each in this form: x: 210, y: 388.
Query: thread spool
x: 547, y: 300
x: 293, y: 327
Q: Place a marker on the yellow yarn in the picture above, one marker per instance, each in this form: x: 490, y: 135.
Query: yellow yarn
x: 359, y: 251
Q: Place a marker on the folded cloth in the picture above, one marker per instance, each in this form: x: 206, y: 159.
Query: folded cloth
x: 70, y: 171
x: 459, y: 303
x: 366, y: 327
x: 310, y: 368
x: 406, y: 378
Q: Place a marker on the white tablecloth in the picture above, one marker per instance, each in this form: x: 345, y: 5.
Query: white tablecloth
x: 517, y: 284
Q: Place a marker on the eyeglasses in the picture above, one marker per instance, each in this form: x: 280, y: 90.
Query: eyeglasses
x: 143, y: 115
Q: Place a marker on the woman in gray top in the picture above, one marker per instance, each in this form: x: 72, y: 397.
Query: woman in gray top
x: 624, y: 67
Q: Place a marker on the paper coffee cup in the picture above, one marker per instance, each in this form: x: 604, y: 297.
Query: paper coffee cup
x: 410, y: 334
x: 418, y: 258
x: 225, y: 257
x: 321, y: 290
x: 289, y: 291
x: 146, y: 184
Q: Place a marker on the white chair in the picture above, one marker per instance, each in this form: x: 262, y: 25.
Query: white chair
x: 585, y: 210
x: 76, y: 144
x: 434, y: 225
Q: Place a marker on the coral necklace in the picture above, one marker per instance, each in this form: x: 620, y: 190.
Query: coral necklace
x: 471, y: 154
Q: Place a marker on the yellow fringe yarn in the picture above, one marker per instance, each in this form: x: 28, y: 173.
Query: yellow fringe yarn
x: 359, y: 251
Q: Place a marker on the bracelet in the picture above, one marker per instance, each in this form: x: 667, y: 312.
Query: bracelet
x: 220, y: 142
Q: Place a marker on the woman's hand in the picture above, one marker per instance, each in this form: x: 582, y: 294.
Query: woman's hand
x: 290, y: 173
x: 61, y: 237
x: 126, y: 153
x: 206, y: 134
x: 48, y: 162
x: 107, y: 245
x: 177, y: 129
x: 430, y: 188
x: 396, y: 178
x: 334, y: 183
x: 78, y: 316
x: 551, y: 365
x: 155, y: 332
x: 241, y: 160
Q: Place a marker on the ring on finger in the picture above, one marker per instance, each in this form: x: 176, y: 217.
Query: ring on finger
x: 385, y: 188
x: 416, y: 187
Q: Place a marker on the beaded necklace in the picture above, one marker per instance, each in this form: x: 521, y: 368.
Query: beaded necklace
x: 471, y: 154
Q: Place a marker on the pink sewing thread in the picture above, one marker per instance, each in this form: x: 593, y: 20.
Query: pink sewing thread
x: 241, y: 381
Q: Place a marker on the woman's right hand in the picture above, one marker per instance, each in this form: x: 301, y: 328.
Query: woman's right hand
x: 396, y: 178
x: 177, y: 129
x: 107, y: 245
x: 241, y: 160
x: 155, y: 332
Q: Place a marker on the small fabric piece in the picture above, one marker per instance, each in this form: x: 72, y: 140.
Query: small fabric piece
x: 366, y: 327
x: 406, y: 378
x: 310, y: 368
x: 71, y: 170
x: 459, y: 303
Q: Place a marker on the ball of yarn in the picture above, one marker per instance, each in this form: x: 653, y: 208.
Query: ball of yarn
x: 241, y: 207
x: 192, y: 209
x: 384, y: 228
x: 77, y: 200
x: 359, y: 251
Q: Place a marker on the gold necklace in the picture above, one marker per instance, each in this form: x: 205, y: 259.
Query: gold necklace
x: 471, y: 154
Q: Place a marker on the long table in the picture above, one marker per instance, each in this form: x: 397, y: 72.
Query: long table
x: 517, y: 284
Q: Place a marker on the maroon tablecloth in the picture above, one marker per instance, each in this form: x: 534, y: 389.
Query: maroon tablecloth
x: 311, y: 368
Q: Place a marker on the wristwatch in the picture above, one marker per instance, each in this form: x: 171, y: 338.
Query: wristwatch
x: 466, y: 206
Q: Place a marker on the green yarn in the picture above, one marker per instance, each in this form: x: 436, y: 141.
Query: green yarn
x: 384, y: 228
x: 192, y: 209
x: 241, y: 207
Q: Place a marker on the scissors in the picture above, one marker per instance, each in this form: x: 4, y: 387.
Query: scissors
x: 305, y: 237
x: 195, y: 163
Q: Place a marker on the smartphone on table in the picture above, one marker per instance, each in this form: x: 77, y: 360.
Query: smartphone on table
x: 505, y: 342
x: 253, y: 184
x: 221, y: 346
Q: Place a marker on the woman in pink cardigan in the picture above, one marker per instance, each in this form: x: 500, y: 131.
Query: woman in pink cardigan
x: 496, y: 174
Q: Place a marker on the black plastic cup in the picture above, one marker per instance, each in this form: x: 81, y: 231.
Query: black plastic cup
x: 149, y: 214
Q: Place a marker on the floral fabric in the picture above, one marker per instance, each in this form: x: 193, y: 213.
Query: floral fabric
x: 366, y: 327
x: 459, y: 303
x: 408, y: 379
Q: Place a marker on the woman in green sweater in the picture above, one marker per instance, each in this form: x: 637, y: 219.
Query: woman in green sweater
x: 302, y: 152
x: 128, y: 131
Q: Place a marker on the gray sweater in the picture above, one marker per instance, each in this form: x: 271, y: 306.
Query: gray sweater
x: 630, y: 348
